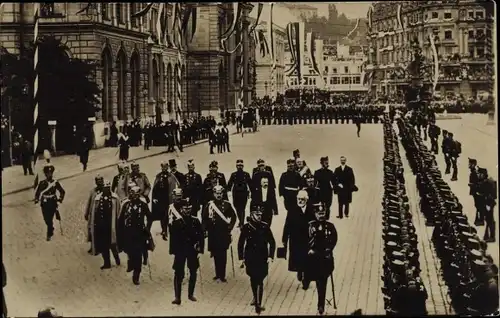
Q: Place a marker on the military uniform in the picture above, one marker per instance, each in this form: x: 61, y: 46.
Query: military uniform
x: 218, y: 222
x: 255, y: 245
x: 193, y: 188
x: 473, y: 183
x: 446, y: 148
x: 454, y: 152
x: 212, y: 179
x: 325, y: 180
x: 141, y: 180
x: 105, y: 209
x: 487, y: 195
x: 320, y: 263
x: 161, y: 196
x: 240, y: 185
x: 186, y: 242
x: 289, y: 185
x: 46, y: 194
x: 434, y: 132
x: 133, y: 232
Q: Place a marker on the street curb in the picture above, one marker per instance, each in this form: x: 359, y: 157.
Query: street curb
x: 203, y: 141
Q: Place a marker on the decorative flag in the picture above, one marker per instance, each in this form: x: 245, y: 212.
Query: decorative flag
x: 36, y: 15
x: 436, y: 62
x: 299, y: 40
x: 179, y: 71
x: 370, y: 14
x: 264, y: 46
x: 270, y: 32
x: 291, y: 45
x: 353, y: 30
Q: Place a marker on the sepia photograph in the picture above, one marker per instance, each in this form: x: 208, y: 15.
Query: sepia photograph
x: 249, y: 158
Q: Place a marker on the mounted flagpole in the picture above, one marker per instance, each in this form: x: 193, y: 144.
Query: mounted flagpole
x: 273, y: 57
x: 36, y: 15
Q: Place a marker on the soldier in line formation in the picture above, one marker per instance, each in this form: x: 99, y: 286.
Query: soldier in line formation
x: 484, y: 191
x: 282, y: 115
x: 451, y: 150
x: 404, y: 292
x: 469, y: 272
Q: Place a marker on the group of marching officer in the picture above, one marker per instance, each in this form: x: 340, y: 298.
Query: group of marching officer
x: 190, y: 209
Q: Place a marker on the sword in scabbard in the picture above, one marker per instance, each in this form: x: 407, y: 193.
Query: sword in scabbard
x: 232, y: 260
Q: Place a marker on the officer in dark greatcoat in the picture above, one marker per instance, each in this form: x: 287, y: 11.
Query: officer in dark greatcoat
x: 133, y: 232
x: 473, y: 183
x: 186, y: 242
x: 46, y: 192
x: 218, y: 222
x: 289, y: 185
x: 255, y: 246
x: 193, y: 188
x: 319, y: 264
x: 240, y: 184
x: 104, y: 219
x: 160, y: 196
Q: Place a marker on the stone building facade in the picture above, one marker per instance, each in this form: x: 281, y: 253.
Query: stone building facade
x: 264, y: 63
x: 137, y: 75
x: 461, y: 31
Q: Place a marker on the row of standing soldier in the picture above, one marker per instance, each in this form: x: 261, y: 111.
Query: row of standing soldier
x: 470, y: 273
x: 404, y: 292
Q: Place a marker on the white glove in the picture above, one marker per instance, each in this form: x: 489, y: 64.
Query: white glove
x: 341, y: 186
x: 155, y: 201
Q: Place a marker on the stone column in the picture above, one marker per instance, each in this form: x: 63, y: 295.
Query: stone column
x: 113, y: 13
x: 99, y: 12
x: 128, y: 13
x: 151, y: 100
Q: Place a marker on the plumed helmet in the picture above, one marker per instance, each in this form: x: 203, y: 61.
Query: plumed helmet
x: 177, y: 192
x: 107, y: 184
x: 218, y: 189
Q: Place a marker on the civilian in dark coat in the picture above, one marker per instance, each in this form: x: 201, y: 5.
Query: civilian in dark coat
x: 240, y: 186
x: 265, y: 197
x: 262, y: 171
x: 344, y: 176
x: 296, y: 235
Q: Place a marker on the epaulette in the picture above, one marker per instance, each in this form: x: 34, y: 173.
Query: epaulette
x: 125, y: 201
x: 312, y: 221
x: 264, y: 223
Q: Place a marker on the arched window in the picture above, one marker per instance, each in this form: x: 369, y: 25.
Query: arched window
x: 121, y: 73
x: 106, y: 75
x: 135, y: 92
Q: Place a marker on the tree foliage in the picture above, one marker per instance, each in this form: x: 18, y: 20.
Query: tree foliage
x: 67, y: 91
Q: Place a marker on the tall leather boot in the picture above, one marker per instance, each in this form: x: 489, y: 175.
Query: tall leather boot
x: 177, y: 290
x: 116, y: 255
x: 135, y: 276
x: 191, y: 286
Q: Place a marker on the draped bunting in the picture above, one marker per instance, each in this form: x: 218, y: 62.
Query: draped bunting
x: 36, y: 15
x: 399, y: 17
x: 259, y: 12
x: 144, y: 11
x: 353, y: 30
x: 179, y: 69
x: 264, y: 46
x: 159, y: 22
x: 299, y: 34
x: 236, y: 18
x: 436, y: 62
x: 85, y: 9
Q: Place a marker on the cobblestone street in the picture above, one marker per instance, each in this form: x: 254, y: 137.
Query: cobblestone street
x: 61, y: 273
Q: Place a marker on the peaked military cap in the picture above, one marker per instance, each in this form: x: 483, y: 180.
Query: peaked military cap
x: 472, y: 160
x: 296, y: 152
x: 48, y: 168
x: 482, y: 170
x: 323, y: 159
x: 190, y: 162
x: 214, y: 164
x: 239, y: 161
x: 134, y: 164
x: 290, y: 161
x: 260, y: 161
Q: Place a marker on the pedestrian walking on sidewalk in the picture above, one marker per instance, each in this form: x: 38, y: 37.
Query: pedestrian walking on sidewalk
x: 83, y: 151
x: 124, y: 144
